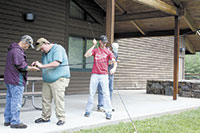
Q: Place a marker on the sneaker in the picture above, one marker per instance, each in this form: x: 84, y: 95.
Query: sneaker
x: 60, y: 122
x: 21, y: 125
x: 87, y: 114
x: 108, y: 116
x: 100, y: 109
x: 6, y: 124
x: 40, y: 120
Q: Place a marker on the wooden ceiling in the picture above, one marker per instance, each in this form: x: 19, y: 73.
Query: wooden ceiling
x: 145, y: 18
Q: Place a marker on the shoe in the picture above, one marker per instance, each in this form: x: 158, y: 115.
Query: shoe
x: 21, y: 125
x: 87, y: 114
x: 108, y: 116
x: 113, y: 110
x: 6, y: 124
x: 60, y: 122
x: 100, y: 109
x: 40, y: 120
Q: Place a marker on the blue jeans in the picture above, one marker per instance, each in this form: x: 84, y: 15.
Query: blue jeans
x: 100, y: 94
x: 101, y: 79
x: 13, y: 103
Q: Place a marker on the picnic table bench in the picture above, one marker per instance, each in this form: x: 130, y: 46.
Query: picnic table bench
x: 27, y: 94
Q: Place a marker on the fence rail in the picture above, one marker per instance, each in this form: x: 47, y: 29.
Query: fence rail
x: 192, y: 76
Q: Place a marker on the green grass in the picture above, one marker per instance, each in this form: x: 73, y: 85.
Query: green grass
x: 185, y: 122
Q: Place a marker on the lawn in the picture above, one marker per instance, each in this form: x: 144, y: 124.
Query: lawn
x: 185, y: 122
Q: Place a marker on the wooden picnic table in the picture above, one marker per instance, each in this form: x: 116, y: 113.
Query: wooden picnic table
x: 26, y: 93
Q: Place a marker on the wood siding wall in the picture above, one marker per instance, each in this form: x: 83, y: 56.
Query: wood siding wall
x: 49, y: 23
x: 52, y: 22
x: 143, y: 59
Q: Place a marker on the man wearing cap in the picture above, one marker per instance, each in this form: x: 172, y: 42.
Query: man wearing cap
x: 100, y: 75
x: 15, y: 77
x: 55, y: 74
x: 114, y: 48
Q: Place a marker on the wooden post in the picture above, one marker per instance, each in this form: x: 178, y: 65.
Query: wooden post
x: 110, y: 13
x: 176, y: 57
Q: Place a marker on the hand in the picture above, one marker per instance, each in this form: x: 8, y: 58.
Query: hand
x: 94, y: 42
x: 118, y: 61
x: 38, y: 64
x: 33, y: 64
x: 34, y: 68
x: 112, y: 71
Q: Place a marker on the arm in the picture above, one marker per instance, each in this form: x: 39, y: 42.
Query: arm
x: 50, y: 65
x: 32, y: 68
x: 89, y: 52
x: 112, y: 71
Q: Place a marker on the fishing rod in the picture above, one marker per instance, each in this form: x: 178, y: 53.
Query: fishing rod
x: 91, y: 29
x: 124, y: 105
x: 77, y: 64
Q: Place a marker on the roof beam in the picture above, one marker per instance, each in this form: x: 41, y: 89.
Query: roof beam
x: 117, y: 4
x: 177, y: 3
x: 189, y: 46
x: 139, y: 16
x: 96, y: 1
x: 186, y: 16
x: 160, y: 5
x: 137, y: 26
x: 153, y: 33
x: 189, y: 21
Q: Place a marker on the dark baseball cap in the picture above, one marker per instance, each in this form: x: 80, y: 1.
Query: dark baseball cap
x: 104, y: 38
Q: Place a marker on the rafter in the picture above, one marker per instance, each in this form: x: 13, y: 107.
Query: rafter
x: 160, y: 5
x: 153, y: 33
x: 187, y: 16
x: 189, y: 46
x: 177, y: 3
x: 189, y: 21
x: 117, y: 4
x: 139, y: 16
x: 132, y: 21
x: 138, y: 27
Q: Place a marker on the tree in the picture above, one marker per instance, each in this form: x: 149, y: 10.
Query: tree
x: 192, y: 64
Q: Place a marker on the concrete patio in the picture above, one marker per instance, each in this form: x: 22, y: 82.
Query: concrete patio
x: 139, y: 104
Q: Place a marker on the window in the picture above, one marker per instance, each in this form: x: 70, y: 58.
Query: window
x: 77, y: 12
x: 77, y: 48
x: 90, y: 59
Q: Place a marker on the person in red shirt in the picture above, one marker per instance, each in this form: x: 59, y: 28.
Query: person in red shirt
x: 100, y: 75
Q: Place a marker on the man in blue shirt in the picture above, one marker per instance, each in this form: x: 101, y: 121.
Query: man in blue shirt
x: 56, y: 77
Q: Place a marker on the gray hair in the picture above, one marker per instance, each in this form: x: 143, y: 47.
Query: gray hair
x: 27, y: 39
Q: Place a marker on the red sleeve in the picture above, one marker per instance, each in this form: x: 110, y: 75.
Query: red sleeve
x: 111, y: 55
